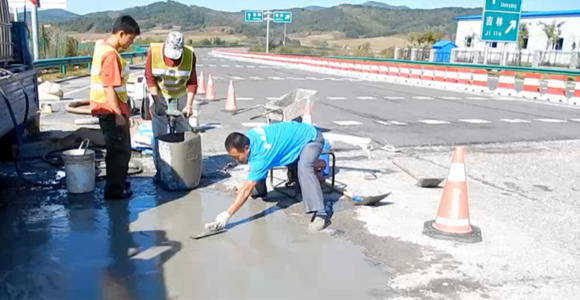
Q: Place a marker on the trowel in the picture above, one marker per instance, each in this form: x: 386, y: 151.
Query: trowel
x: 207, y: 233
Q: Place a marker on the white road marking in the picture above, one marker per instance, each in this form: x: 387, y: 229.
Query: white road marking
x: 225, y: 66
x: 433, y: 122
x: 76, y: 91
x: 244, y: 99
x: 397, y: 123
x: 238, y: 66
x: 253, y: 124
x: 264, y: 67
x: 250, y: 67
x: 347, y: 123
x: 336, y: 98
x: 423, y: 98
x: 474, y: 121
x: 311, y: 78
x: 212, y: 66
x: 450, y: 98
x: 294, y: 78
x: 276, y: 78
x: 366, y: 98
x: 515, y: 121
x: 395, y: 98
x: 236, y: 78
x: 552, y: 120
x: 575, y: 120
x: 256, y: 78
x: 217, y: 77
x: 199, y: 65
x: 476, y: 98
x: 390, y: 123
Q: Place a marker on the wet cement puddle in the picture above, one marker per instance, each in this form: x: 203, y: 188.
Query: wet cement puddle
x: 81, y: 247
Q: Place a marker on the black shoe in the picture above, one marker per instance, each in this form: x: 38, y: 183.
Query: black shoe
x: 127, y: 185
x: 118, y: 196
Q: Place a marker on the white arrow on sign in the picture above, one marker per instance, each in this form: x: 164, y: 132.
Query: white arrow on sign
x: 513, y: 24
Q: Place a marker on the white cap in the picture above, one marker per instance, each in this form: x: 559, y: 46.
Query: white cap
x: 173, y: 48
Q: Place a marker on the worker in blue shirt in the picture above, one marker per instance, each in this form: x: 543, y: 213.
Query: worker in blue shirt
x: 278, y: 145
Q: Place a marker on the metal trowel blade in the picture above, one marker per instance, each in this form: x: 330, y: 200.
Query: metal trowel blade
x: 373, y: 200
x: 208, y: 233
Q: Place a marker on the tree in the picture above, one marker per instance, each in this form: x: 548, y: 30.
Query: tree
x: 552, y: 32
x: 524, y: 34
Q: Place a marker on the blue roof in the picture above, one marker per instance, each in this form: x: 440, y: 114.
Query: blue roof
x: 442, y: 44
x: 532, y: 14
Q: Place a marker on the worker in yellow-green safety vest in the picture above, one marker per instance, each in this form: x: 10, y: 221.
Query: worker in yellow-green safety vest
x: 170, y: 74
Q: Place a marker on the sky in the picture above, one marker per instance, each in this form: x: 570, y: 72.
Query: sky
x: 87, y: 6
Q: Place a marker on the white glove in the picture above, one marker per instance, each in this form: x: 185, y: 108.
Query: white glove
x: 220, y: 221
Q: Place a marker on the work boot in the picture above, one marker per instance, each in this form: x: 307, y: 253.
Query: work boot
x: 118, y: 195
x: 318, y: 223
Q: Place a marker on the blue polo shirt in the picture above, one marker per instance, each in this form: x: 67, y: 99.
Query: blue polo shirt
x: 276, y: 145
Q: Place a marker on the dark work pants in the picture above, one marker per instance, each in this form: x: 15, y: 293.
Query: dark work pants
x: 118, y: 144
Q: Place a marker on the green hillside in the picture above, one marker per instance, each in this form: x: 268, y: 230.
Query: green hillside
x: 353, y: 20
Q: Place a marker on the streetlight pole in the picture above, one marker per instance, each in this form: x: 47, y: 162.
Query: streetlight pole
x: 268, y: 16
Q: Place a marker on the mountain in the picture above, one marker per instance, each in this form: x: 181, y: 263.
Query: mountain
x: 51, y: 16
x: 353, y: 20
x: 314, y: 8
x: 383, y: 5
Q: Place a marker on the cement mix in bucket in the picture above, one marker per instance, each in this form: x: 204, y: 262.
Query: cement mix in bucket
x: 78, y: 246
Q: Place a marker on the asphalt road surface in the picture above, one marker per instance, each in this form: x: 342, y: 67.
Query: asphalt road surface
x: 395, y: 114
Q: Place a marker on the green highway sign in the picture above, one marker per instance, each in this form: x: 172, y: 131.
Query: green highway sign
x: 254, y: 16
x: 501, y: 20
x: 513, y: 6
x: 500, y: 27
x: 282, y: 17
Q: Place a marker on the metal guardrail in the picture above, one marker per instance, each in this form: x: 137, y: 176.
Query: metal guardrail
x: 76, y: 60
x: 567, y: 72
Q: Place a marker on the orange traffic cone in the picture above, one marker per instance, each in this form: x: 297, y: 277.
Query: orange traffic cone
x: 231, y: 104
x: 201, y: 84
x: 452, y: 222
x: 307, y: 117
x: 210, y: 95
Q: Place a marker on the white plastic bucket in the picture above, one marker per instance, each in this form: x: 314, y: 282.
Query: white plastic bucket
x: 79, y: 165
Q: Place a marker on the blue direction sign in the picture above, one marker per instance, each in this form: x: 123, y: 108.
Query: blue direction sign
x: 501, y: 20
x: 282, y: 17
x: 254, y: 16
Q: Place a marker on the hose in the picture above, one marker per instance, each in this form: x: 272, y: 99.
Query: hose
x: 73, y: 107
x: 19, y: 134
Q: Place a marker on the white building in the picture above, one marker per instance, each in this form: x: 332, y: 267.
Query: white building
x: 469, y: 32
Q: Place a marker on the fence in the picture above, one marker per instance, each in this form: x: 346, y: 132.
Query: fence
x: 552, y: 59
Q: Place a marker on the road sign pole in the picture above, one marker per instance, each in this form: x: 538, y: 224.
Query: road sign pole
x: 485, y: 53
x: 284, y: 34
x: 505, y: 54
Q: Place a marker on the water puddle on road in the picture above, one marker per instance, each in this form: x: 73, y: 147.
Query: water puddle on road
x: 82, y: 247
